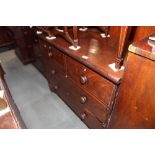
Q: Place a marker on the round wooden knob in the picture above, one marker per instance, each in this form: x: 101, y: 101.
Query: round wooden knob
x: 83, y: 79
x: 53, y: 71
x: 25, y: 32
x: 56, y: 87
x: 45, y: 45
x: 104, y: 125
x: 50, y: 54
x: 29, y: 46
x: 83, y: 99
x: 83, y: 116
x: 35, y: 40
x: 67, y: 93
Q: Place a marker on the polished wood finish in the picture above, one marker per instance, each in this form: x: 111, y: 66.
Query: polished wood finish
x: 62, y: 32
x: 135, y: 106
x: 124, y: 34
x: 144, y: 48
x: 105, y: 52
x: 73, y: 41
x: 88, y: 80
x: 140, y: 32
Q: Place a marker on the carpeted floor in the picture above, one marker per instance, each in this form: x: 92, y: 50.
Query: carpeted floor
x: 39, y: 107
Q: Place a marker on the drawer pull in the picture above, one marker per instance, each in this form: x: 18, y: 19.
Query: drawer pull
x: 83, y: 99
x: 83, y: 79
x: 83, y: 116
x: 56, y: 87
x: 104, y: 125
x: 45, y: 45
x: 53, y: 72
x: 25, y: 32
x: 29, y: 46
x: 67, y: 93
x: 50, y: 54
x: 36, y: 40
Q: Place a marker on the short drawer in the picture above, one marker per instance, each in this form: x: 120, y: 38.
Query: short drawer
x: 57, y: 57
x: 52, y: 55
x: 54, y: 72
x: 44, y: 48
x: 90, y: 81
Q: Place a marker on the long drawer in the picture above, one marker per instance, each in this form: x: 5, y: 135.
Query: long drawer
x: 90, y: 81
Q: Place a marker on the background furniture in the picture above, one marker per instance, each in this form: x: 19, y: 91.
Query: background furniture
x: 24, y: 41
x: 135, y: 104
x: 6, y: 38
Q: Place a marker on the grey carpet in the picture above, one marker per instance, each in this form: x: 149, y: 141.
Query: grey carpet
x: 39, y: 107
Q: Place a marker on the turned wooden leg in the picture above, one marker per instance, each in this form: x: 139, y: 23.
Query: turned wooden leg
x: 45, y: 30
x: 68, y: 38
x: 124, y: 33
x: 104, y: 29
x: 75, y: 31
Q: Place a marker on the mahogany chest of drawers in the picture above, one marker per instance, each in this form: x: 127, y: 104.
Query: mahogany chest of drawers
x: 88, y: 93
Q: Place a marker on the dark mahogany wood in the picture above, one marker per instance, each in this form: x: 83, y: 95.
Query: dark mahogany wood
x: 24, y: 40
x: 105, y: 52
x: 124, y: 34
x: 89, y: 94
x: 88, y: 80
x: 140, y: 32
x: 135, y: 106
x: 62, y: 32
x: 6, y: 37
x: 104, y: 29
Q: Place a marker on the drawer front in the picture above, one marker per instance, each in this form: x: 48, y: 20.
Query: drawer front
x: 90, y: 120
x: 58, y: 58
x: 90, y: 81
x: 52, y: 55
x: 54, y: 72
x: 44, y: 48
